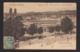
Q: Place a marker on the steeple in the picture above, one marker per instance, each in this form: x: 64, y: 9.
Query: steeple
x: 10, y: 12
x: 15, y: 12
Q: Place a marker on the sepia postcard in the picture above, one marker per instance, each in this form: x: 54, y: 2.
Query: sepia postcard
x: 39, y: 26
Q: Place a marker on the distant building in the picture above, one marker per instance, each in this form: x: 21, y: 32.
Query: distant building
x: 10, y: 14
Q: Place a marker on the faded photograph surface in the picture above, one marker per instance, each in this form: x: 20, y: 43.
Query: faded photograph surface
x: 36, y: 25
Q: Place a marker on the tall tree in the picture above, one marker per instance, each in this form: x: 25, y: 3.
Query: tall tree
x: 66, y: 25
x: 14, y: 27
x: 51, y: 29
x: 57, y: 28
x: 40, y: 30
x: 32, y: 29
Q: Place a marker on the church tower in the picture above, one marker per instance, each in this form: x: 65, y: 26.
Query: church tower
x: 15, y: 12
x: 10, y: 12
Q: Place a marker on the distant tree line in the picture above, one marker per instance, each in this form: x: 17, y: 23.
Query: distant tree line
x: 33, y: 29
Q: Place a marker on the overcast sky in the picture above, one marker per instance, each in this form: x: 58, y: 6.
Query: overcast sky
x: 38, y: 7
